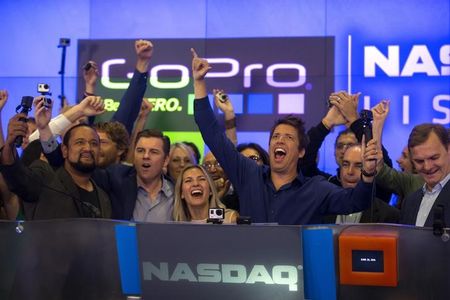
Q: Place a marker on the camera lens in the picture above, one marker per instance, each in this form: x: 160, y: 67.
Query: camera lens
x: 218, y: 212
x: 45, y: 86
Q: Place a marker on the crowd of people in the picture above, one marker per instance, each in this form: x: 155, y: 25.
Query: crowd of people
x: 120, y: 170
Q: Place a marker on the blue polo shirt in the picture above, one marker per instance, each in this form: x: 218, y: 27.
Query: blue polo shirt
x: 302, y: 201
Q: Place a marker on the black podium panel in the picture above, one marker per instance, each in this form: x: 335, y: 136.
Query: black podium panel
x: 59, y: 259
x: 184, y: 261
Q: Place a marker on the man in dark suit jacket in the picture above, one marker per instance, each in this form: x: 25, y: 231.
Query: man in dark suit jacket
x: 429, y: 146
x: 141, y: 192
x: 350, y: 174
x: 67, y: 192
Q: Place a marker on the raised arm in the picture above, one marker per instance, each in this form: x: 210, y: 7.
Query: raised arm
x: 16, y: 127
x: 236, y: 166
x: 380, y: 113
x: 223, y: 102
x: 42, y: 115
x: 90, y: 106
x: 347, y: 105
x: 317, y: 135
x: 90, y: 75
x: 3, y: 99
x: 146, y: 108
x: 131, y: 101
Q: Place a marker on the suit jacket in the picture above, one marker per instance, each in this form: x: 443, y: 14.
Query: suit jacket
x: 380, y: 212
x: 120, y: 182
x: 411, y: 206
x: 53, y: 192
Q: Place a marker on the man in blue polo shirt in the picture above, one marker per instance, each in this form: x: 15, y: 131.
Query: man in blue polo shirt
x: 279, y: 192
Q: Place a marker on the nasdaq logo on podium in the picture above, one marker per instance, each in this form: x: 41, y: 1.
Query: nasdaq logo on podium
x: 223, y: 273
x: 265, y: 77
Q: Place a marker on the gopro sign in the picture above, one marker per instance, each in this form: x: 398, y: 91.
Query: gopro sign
x: 224, y: 273
x: 264, y: 82
x: 183, y: 81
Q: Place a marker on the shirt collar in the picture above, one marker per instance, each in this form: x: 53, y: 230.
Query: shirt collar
x: 166, y: 188
x: 266, y: 174
x: 438, y: 187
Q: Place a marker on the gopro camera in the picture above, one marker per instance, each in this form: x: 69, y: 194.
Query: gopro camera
x: 64, y: 42
x: 23, y: 108
x: 216, y: 215
x: 44, y: 90
x: 87, y: 66
x: 222, y: 97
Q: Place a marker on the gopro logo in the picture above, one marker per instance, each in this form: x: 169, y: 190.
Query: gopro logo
x: 224, y: 273
x: 234, y: 71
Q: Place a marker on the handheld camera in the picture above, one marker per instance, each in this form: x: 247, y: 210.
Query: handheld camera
x: 87, y: 67
x: 23, y: 108
x: 44, y: 90
x: 222, y: 97
x: 367, y: 117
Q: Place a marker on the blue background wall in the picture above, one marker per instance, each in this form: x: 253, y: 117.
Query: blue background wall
x: 31, y: 30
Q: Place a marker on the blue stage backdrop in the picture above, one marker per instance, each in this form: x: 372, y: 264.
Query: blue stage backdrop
x: 396, y: 50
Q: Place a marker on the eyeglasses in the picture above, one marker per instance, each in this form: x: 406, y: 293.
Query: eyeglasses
x: 209, y: 165
x: 344, y: 145
x: 255, y: 157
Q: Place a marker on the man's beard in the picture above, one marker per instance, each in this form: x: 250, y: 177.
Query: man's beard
x: 83, y: 167
x: 106, y: 161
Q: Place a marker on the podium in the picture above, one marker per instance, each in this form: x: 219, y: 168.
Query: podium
x: 107, y: 259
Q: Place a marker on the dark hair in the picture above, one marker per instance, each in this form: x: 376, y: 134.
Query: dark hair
x: 68, y: 134
x: 421, y: 133
x: 155, y: 133
x: 343, y: 132
x: 298, y: 124
x: 262, y: 153
x: 117, y: 132
x: 195, y: 149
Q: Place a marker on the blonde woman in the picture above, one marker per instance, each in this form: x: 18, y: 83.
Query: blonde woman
x: 195, y: 193
x: 179, y: 157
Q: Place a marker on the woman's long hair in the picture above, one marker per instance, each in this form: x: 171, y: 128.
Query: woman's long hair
x: 180, y: 208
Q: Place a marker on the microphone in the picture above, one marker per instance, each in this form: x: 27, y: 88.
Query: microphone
x: 25, y: 104
x: 366, y: 118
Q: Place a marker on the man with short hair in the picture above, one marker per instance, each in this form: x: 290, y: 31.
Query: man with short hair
x: 217, y: 174
x: 69, y: 191
x: 114, y: 142
x: 141, y: 192
x: 279, y: 192
x: 350, y: 175
x: 429, y: 148
x: 342, y: 111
